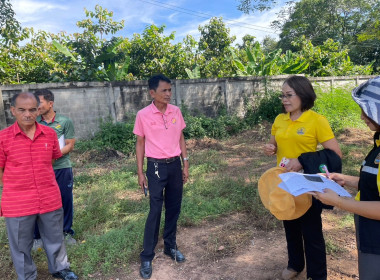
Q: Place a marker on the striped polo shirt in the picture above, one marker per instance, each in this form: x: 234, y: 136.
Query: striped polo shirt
x: 29, y: 185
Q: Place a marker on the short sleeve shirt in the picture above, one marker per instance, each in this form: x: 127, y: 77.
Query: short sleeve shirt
x: 162, y: 132
x: 294, y: 138
x: 64, y: 127
x: 29, y: 185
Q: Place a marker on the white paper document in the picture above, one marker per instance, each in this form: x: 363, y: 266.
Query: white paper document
x: 61, y: 141
x: 299, y: 183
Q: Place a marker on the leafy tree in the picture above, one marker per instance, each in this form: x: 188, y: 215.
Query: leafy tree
x: 328, y: 59
x: 13, y: 58
x: 371, y: 28
x: 269, y: 44
x: 149, y: 52
x: 94, y: 58
x: 30, y: 63
x: 319, y: 20
x: 183, y: 56
x: 215, y: 38
x: 368, y: 44
x: 247, y: 6
x: 248, y: 41
x: 152, y: 52
x: 37, y: 58
x: 107, y: 60
x: 9, y: 26
x: 214, y: 44
x: 105, y: 24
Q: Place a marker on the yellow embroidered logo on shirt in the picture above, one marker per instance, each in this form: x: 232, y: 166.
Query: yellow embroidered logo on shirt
x: 174, y: 120
x: 301, y: 131
x: 377, y: 143
x: 58, y: 126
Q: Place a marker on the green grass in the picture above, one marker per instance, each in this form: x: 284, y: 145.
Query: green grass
x: 339, y: 109
x: 346, y: 221
x: 332, y: 248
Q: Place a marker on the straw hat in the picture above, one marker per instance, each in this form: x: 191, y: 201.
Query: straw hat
x: 280, y: 203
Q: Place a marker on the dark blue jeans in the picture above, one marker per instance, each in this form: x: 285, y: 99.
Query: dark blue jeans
x: 65, y: 180
x: 167, y: 188
x: 304, y: 237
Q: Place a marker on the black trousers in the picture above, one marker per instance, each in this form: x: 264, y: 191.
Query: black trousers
x: 166, y: 187
x: 304, y: 238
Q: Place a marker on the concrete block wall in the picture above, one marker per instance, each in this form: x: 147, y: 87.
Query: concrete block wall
x: 85, y: 103
x: 88, y: 103
x: 202, y: 96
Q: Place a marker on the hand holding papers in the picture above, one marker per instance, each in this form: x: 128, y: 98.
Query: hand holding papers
x: 299, y: 183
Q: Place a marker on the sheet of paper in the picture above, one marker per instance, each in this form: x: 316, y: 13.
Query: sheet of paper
x: 283, y: 186
x: 61, y: 141
x: 299, y: 183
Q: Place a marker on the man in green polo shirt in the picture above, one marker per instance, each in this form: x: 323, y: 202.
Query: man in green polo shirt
x: 64, y: 128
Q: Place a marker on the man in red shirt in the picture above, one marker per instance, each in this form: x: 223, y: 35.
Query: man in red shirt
x: 159, y: 137
x: 30, y: 191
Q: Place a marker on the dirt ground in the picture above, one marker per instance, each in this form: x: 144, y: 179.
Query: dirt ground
x: 262, y: 256
x: 236, y: 247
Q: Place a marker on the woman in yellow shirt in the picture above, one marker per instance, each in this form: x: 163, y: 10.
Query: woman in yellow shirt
x: 296, y: 131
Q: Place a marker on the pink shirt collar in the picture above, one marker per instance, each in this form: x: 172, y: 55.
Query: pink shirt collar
x: 169, y: 109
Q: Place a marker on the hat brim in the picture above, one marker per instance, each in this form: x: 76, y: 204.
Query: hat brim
x: 279, y: 202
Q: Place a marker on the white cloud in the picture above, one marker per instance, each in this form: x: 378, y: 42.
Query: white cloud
x: 44, y: 15
x: 27, y: 9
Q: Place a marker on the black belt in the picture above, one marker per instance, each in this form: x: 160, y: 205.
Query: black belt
x: 163, y: 160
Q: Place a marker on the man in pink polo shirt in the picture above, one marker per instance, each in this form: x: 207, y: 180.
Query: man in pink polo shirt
x: 30, y: 191
x: 158, y: 128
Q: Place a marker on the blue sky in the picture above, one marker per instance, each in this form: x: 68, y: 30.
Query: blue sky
x: 181, y: 16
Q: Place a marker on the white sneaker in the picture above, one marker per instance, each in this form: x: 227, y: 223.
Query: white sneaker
x: 288, y: 273
x: 69, y: 240
x: 37, y: 244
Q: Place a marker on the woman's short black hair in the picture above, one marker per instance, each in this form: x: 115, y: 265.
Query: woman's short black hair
x: 304, y: 90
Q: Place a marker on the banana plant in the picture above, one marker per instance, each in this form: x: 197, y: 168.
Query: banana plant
x: 293, y: 65
x: 64, y: 50
x: 274, y: 63
x: 195, y: 73
x: 113, y: 70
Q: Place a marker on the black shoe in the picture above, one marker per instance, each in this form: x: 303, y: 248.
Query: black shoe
x: 175, y: 254
x: 146, y: 269
x: 65, y: 274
